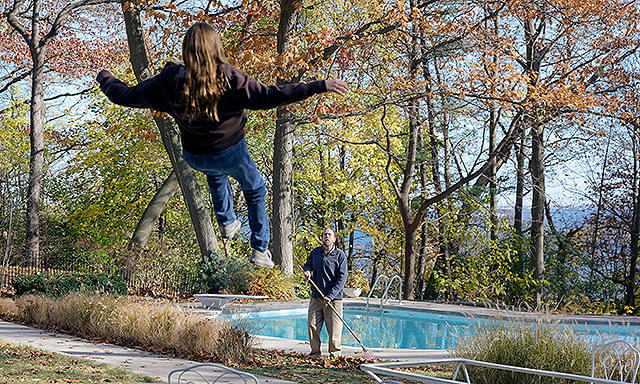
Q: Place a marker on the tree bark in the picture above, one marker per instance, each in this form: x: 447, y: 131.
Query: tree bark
x: 532, y: 117
x: 630, y: 294
x: 410, y: 222
x: 36, y: 162
x: 422, y: 251
x: 352, y: 236
x: 193, y: 197
x: 536, y: 166
x: 6, y: 255
x: 493, y: 125
x: 493, y: 189
x: 599, y: 207
x: 282, y: 199
x: 36, y: 137
x: 444, y: 253
x: 520, y: 169
x: 152, y: 213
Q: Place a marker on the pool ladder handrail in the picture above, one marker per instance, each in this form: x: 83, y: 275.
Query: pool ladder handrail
x: 386, y: 290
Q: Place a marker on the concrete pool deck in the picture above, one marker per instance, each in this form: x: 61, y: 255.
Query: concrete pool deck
x: 291, y: 345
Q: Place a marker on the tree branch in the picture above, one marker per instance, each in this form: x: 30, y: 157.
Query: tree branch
x: 12, y: 19
x: 62, y: 16
x: 388, y: 165
x: 497, y: 154
x: 440, y: 45
x: 16, y: 79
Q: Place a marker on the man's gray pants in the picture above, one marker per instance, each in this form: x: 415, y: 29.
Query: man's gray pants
x: 319, y: 313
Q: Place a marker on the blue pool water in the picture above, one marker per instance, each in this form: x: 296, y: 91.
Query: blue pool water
x: 398, y: 328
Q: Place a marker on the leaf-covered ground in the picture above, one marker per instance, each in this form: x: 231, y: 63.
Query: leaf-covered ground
x: 324, y: 370
x: 22, y: 364
x: 299, y: 368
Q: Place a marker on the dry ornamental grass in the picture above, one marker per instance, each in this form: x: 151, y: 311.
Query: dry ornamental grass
x: 162, y: 328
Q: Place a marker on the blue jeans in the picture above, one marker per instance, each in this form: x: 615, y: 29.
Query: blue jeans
x: 236, y: 162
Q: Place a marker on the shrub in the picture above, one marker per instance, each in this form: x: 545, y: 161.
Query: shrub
x: 30, y: 284
x: 233, y: 345
x: 64, y: 283
x: 7, y: 308
x: 542, y: 345
x: 222, y: 273
x: 357, y: 279
x: 272, y: 283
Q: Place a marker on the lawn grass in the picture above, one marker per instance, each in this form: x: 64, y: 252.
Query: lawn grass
x: 24, y: 364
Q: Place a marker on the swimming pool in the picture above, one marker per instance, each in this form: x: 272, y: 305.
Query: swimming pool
x: 399, y: 328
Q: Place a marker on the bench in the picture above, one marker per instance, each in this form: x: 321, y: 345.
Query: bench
x: 217, y: 301
x: 618, y: 359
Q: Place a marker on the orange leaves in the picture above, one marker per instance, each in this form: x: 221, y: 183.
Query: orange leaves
x: 281, y: 358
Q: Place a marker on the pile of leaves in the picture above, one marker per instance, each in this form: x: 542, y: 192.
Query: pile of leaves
x: 299, y: 367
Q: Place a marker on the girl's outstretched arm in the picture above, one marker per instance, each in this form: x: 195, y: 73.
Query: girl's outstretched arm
x: 139, y: 96
x: 251, y: 94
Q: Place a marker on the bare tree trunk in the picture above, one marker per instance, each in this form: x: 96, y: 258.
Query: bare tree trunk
x: 422, y: 251
x: 445, y: 247
x: 596, y: 228
x: 6, y: 257
x: 152, y: 213
x: 410, y: 223
x: 323, y: 185
x: 36, y: 160
x: 340, y: 220
x: 520, y: 169
x: 36, y: 136
x: 630, y: 289
x: 533, y: 114
x: 193, y: 196
x: 409, y: 263
x: 444, y: 254
x: 493, y: 125
x: 352, y: 236
x: 374, y: 268
x: 282, y: 233
x: 536, y: 166
x: 493, y: 190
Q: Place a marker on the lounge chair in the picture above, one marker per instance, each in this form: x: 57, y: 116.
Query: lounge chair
x: 210, y: 374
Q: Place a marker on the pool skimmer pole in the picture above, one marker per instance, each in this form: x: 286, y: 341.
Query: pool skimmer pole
x: 365, y: 353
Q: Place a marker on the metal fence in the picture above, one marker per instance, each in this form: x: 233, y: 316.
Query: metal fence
x: 172, y: 285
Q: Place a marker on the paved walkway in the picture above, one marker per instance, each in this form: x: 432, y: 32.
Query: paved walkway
x: 131, y: 359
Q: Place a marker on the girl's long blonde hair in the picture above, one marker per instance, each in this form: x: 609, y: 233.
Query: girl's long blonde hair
x: 202, y: 54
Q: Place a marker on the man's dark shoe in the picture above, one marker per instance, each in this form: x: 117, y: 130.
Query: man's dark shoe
x: 229, y: 230
x: 261, y: 258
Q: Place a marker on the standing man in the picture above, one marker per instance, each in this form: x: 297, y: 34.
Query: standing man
x: 329, y: 267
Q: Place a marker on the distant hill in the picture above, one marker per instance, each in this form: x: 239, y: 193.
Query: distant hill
x: 563, y: 217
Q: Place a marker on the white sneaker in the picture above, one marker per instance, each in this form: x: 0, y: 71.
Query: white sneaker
x: 229, y: 230
x: 261, y: 258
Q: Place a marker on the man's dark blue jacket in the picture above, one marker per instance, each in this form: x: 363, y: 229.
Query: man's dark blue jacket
x: 329, y: 272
